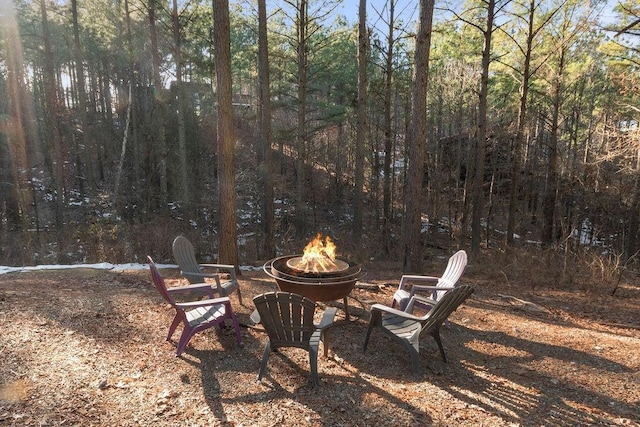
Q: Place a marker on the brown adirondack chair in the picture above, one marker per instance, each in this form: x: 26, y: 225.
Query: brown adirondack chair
x: 195, y: 316
x: 288, y: 320
x: 406, y: 328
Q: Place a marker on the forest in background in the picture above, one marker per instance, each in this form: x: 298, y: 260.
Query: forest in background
x: 110, y: 115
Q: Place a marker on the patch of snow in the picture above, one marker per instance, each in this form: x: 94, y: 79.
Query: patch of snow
x: 98, y: 266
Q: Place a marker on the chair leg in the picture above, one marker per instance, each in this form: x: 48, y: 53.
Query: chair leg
x: 187, y: 333
x: 236, y: 326
x: 376, y: 319
x: 313, y: 363
x: 436, y: 335
x: 240, y: 297
x: 366, y: 338
x: 413, y: 346
x: 415, y: 362
x: 265, y: 357
x: 174, y: 324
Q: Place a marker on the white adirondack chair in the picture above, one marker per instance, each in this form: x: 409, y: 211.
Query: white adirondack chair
x: 410, y: 284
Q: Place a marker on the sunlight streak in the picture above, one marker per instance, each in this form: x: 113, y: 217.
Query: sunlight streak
x: 17, y: 126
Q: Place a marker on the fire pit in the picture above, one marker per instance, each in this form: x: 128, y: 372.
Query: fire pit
x: 318, y: 277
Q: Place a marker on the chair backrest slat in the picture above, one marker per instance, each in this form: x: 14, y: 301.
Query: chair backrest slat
x: 447, y: 305
x: 286, y: 316
x: 455, y: 268
x: 185, y: 256
x: 158, y: 281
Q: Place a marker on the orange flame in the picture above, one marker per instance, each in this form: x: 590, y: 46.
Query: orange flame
x: 318, y: 256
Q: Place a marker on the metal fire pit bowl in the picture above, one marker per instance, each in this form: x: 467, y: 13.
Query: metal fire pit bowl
x: 325, y: 286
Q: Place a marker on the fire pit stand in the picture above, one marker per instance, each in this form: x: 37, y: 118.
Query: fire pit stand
x: 318, y: 286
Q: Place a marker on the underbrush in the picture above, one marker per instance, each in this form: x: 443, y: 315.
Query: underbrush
x: 584, y: 269
x: 106, y: 240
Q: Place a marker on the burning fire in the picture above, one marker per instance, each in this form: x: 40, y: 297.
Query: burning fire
x: 318, y: 256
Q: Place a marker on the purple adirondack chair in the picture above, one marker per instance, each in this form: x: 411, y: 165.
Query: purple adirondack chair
x: 195, y: 316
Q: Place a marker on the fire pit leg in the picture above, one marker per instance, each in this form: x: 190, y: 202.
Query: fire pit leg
x: 346, y: 308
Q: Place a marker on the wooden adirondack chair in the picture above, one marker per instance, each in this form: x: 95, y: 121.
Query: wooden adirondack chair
x: 288, y: 320
x: 185, y: 256
x: 406, y: 328
x: 195, y: 316
x: 410, y: 284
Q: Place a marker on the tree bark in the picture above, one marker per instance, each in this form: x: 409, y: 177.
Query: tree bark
x: 264, y: 136
x: 133, y: 123
x: 18, y: 128
x: 478, y: 185
x: 551, y: 191
x: 228, y: 245
x: 159, y: 107
x: 412, y: 233
x: 301, y: 139
x: 53, y: 136
x: 84, y: 133
x: 519, y: 141
x: 182, y: 140
x: 388, y: 133
x: 363, y: 54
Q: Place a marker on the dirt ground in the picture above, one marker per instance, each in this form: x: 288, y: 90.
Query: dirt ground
x: 87, y: 348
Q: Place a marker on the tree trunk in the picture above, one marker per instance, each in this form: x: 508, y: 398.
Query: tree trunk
x: 18, y: 127
x: 53, y: 136
x: 301, y: 140
x: 182, y: 140
x: 104, y: 153
x: 519, y: 141
x: 123, y: 149
x: 228, y: 245
x: 551, y: 192
x: 412, y: 233
x: 132, y: 122
x: 478, y: 185
x: 84, y: 133
x: 363, y: 54
x: 264, y: 137
x: 159, y: 106
x: 388, y: 133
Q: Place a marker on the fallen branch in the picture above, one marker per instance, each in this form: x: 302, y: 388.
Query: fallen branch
x: 369, y: 286
x: 524, y: 305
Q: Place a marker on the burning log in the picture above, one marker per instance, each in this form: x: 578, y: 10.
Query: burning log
x: 318, y: 257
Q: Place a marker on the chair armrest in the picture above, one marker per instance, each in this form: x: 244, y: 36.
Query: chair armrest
x: 425, y: 300
x: 221, y: 266
x: 415, y: 278
x: 327, y: 318
x: 189, y: 288
x: 431, y: 288
x: 203, y: 303
x: 418, y: 277
x: 215, y: 276
x: 396, y: 312
x: 210, y: 275
x: 255, y: 317
x: 227, y: 268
